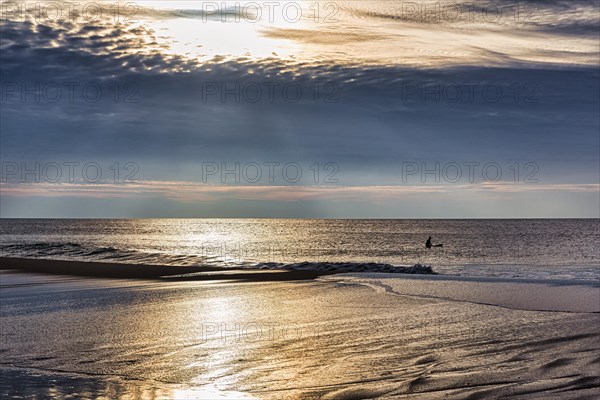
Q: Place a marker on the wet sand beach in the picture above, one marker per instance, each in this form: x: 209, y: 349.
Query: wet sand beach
x: 345, y: 336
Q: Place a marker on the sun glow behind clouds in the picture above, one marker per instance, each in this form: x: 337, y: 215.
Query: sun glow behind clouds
x: 373, y: 32
x: 226, y: 30
x: 435, y: 34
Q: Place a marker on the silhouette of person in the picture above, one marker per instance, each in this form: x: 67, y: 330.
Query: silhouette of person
x: 428, y: 243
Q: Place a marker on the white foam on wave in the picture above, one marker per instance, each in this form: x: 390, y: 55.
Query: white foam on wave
x: 343, y: 267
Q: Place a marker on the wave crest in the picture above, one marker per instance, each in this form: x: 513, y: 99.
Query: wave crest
x: 348, y: 267
x: 77, y: 251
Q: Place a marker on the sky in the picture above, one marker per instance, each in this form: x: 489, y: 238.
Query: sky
x: 300, y: 109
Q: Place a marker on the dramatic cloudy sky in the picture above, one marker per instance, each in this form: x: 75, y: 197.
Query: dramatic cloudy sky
x: 385, y: 109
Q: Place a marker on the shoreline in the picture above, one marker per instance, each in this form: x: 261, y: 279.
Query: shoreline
x: 151, y: 272
x: 514, y: 293
x: 113, y: 270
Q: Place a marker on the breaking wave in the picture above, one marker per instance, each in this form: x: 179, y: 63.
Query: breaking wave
x: 79, y: 252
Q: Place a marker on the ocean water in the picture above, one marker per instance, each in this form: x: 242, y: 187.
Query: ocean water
x: 530, y: 248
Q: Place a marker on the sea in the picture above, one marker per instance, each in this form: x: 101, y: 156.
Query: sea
x: 507, y: 248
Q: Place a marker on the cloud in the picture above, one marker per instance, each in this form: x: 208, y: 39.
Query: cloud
x: 560, y: 17
x: 333, y: 37
x: 194, y: 191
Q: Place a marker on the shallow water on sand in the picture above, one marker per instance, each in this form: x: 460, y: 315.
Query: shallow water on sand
x: 335, y: 339
x: 552, y: 249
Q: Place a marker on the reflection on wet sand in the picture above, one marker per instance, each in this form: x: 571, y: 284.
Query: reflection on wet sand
x: 306, y: 339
